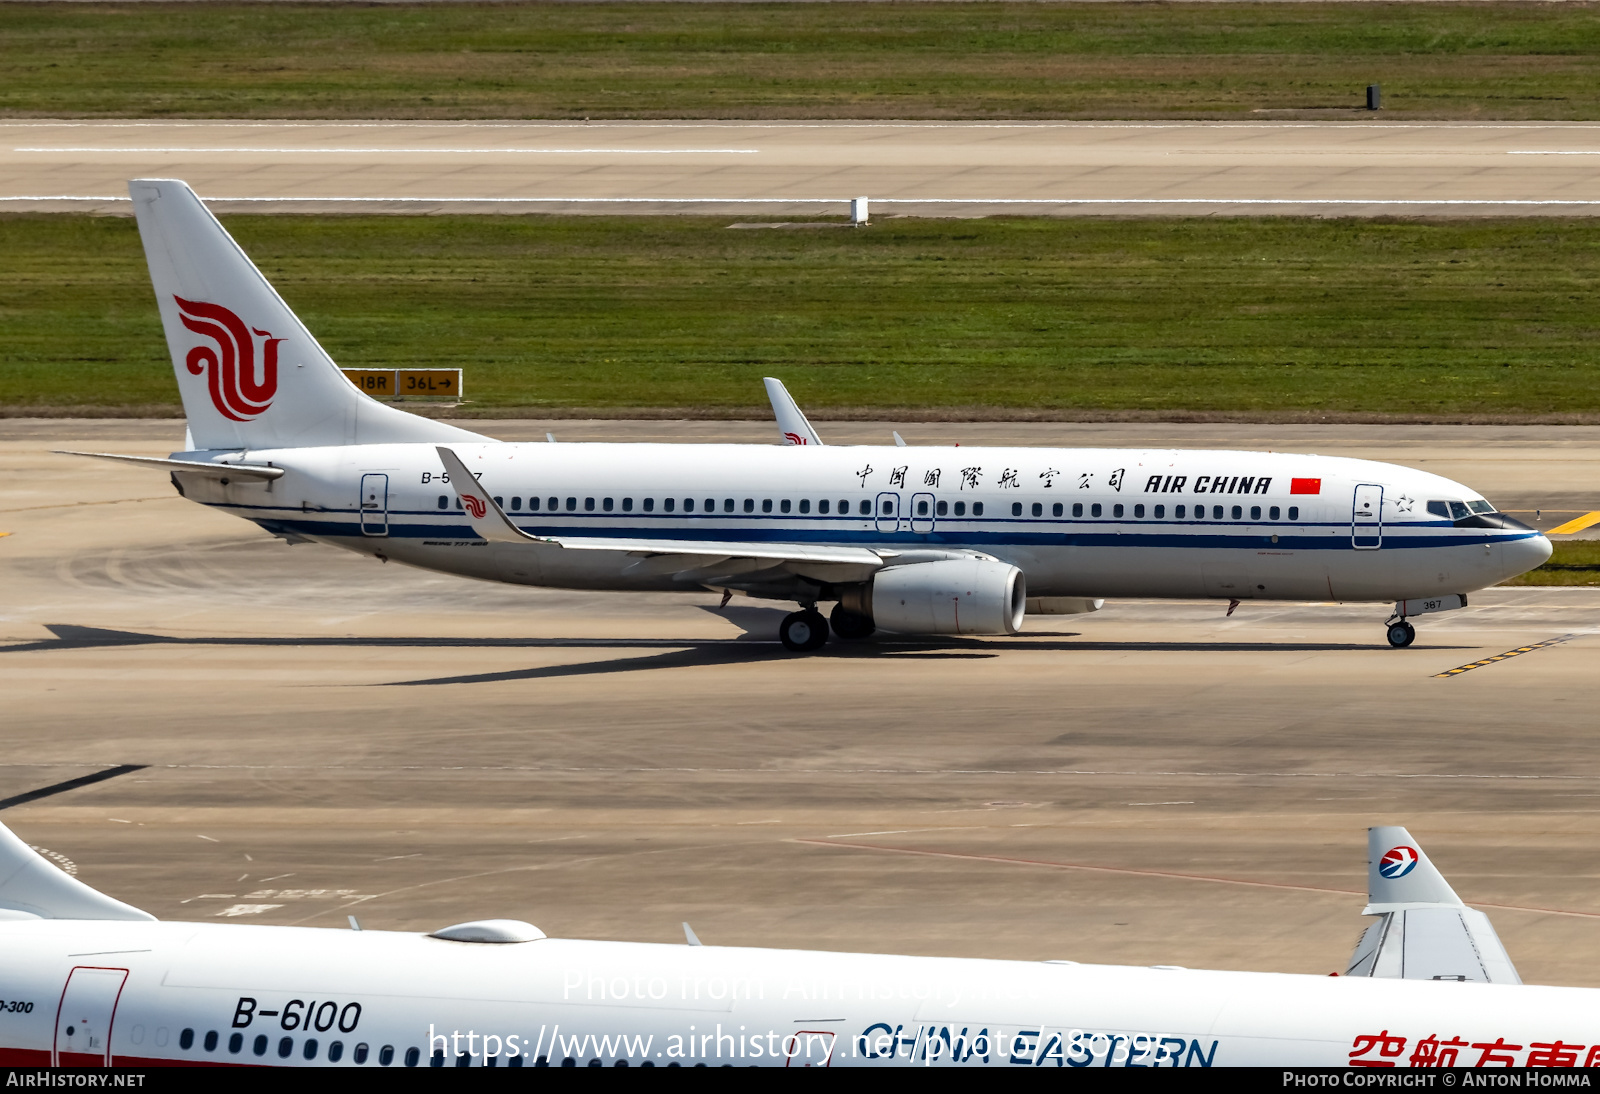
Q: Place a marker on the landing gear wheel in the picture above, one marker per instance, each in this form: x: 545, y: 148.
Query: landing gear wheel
x: 803, y: 631
x: 1402, y: 634
x: 848, y: 624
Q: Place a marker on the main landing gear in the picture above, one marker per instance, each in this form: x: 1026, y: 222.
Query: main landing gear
x: 804, y: 631
x: 1401, y: 634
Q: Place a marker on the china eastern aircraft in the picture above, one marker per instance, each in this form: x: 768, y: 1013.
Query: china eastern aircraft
x: 89, y: 981
x: 916, y: 540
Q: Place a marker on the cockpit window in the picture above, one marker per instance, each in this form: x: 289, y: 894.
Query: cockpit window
x: 1439, y: 509
x: 1478, y: 505
x: 1458, y: 511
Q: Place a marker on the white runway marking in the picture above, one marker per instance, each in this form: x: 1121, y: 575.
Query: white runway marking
x: 206, y: 150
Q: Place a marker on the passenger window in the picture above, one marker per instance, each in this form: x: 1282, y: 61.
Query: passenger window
x: 335, y: 1051
x: 922, y: 508
x: 500, y: 502
x: 1178, y: 512
x: 1457, y: 511
x: 1016, y: 508
x: 650, y: 504
x: 285, y: 1047
x: 1216, y: 512
x: 1055, y: 510
x: 1094, y: 510
x: 844, y: 507
x: 783, y: 506
x: 1116, y: 510
x: 940, y: 508
x: 1161, y: 512
x: 186, y: 1039
x: 437, y: 1059
x: 1077, y: 508
x: 1255, y: 512
x: 444, y: 501
x: 386, y: 1055
x: 1238, y: 512
x: 688, y: 505
x: 961, y: 508
x: 888, y: 508
x: 607, y: 504
x: 977, y: 508
x: 211, y: 1041
x: 413, y: 1054
x: 1273, y: 513
x: 259, y: 1047
x: 588, y: 505
x: 553, y: 505
x: 533, y: 503
x: 458, y: 503
x: 727, y: 506
x: 516, y: 503
x: 750, y: 505
x: 1138, y: 510
x: 866, y: 507
x: 668, y: 504
x: 310, y: 1050
x: 822, y: 507
x: 360, y: 1054
x: 235, y: 1043
x: 766, y: 505
x: 1038, y: 509
x: 627, y: 505
x: 711, y: 505
x: 1439, y: 509
x: 805, y: 507
x: 1294, y: 512
x: 572, y: 505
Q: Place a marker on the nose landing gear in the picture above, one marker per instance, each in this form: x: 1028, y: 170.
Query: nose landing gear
x: 1401, y: 634
x: 804, y: 631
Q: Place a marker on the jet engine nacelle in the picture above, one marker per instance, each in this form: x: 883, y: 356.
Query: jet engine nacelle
x: 951, y: 596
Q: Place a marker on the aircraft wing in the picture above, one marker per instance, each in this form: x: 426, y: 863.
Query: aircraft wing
x: 491, y: 522
x: 1424, y: 932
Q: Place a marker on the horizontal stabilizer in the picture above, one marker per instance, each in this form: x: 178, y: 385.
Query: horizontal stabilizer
x: 31, y: 886
x: 1424, y: 932
x: 193, y: 467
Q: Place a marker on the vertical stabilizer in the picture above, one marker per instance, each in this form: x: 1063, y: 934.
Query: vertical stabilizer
x: 250, y: 374
x: 792, y: 424
x: 1424, y: 931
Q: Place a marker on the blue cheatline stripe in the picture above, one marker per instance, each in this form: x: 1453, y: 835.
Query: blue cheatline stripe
x: 973, y: 538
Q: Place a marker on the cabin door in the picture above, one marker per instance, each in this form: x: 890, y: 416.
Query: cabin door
x: 83, y: 1019
x: 1366, y: 518
x: 374, y: 505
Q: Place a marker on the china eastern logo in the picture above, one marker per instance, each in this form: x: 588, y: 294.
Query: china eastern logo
x: 239, y: 390
x: 1397, y: 862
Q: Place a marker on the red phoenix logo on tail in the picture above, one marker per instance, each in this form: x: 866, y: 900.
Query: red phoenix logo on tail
x: 231, y: 368
x: 474, y: 506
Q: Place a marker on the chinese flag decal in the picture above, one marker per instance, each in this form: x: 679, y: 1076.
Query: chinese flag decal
x: 1305, y: 486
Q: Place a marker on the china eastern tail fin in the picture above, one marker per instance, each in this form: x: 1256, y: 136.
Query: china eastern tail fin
x: 1424, y: 931
x: 250, y: 374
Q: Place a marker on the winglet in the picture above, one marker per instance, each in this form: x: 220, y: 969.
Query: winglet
x: 1424, y: 931
x: 31, y: 886
x: 487, y: 518
x: 690, y: 937
x: 791, y: 423
x: 1399, y: 873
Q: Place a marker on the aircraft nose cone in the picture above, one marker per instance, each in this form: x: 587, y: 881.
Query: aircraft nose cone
x: 1522, y: 555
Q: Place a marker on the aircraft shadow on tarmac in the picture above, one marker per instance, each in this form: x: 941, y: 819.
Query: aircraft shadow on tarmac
x: 751, y: 647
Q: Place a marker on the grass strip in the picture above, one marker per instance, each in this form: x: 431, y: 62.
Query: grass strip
x: 797, y: 60
x: 1008, y: 317
x: 1572, y: 562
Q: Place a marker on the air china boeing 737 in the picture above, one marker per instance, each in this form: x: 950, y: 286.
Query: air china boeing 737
x: 88, y: 981
x: 917, y: 540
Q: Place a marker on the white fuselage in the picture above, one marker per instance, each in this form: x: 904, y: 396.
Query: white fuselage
x: 1077, y: 522
x: 142, y: 993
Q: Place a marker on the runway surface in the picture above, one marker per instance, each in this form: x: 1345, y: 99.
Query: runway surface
x: 1155, y: 784
x: 926, y: 169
